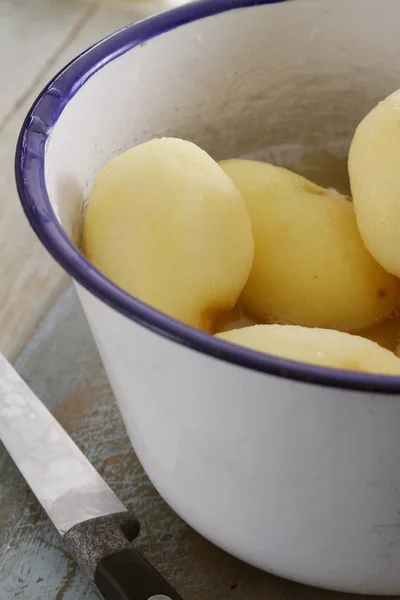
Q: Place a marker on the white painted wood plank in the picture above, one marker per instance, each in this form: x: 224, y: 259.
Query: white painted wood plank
x: 28, y: 276
x: 146, y: 7
x: 30, y: 32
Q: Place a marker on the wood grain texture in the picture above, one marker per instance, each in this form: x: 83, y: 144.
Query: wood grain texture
x: 61, y: 364
x: 32, y: 36
x: 38, y: 37
x: 31, y: 33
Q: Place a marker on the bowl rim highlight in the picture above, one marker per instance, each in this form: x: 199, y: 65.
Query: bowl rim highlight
x: 30, y: 178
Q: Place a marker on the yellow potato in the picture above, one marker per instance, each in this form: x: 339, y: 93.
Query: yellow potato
x: 310, y: 265
x: 375, y: 181
x: 323, y: 347
x: 166, y: 224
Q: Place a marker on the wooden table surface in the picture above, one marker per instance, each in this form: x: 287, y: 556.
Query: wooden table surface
x: 37, y: 38
x: 43, y: 330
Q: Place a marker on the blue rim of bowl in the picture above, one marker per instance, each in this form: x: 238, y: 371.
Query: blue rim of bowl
x: 30, y: 178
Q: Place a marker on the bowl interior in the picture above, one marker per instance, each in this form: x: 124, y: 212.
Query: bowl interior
x: 286, y: 82
x: 281, y: 80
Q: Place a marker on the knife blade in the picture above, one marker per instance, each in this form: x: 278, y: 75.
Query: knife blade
x: 94, y: 524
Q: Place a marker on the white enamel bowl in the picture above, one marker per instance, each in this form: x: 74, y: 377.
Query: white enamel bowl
x: 292, y: 468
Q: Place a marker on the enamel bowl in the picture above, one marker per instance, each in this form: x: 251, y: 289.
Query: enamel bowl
x: 291, y: 467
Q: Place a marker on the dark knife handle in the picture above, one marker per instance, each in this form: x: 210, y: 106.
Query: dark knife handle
x: 126, y: 575
x: 102, y: 548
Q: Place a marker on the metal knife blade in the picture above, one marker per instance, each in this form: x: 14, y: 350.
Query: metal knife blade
x: 63, y: 480
x: 96, y: 527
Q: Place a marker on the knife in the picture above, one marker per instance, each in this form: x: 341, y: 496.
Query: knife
x: 96, y: 527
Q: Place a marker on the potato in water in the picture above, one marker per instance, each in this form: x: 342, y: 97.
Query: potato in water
x: 386, y: 333
x: 310, y: 266
x: 166, y: 224
x: 233, y: 319
x: 322, y: 347
x: 375, y: 181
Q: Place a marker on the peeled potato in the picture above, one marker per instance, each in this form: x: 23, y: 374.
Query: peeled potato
x: 310, y: 265
x: 375, y: 181
x: 322, y: 347
x: 166, y: 224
